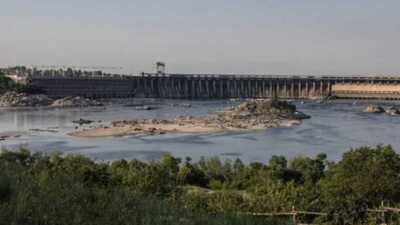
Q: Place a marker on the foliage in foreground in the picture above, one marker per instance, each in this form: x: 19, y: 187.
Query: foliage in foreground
x: 40, y: 189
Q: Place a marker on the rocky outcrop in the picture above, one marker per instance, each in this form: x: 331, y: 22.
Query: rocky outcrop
x: 82, y: 121
x: 7, y: 135
x: 14, y: 99
x: 250, y: 115
x: 145, y: 107
x: 263, y: 108
x: 75, y: 102
x: 393, y: 111
x: 255, y: 114
x: 374, y: 109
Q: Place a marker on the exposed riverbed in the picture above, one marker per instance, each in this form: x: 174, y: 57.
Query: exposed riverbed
x: 333, y: 129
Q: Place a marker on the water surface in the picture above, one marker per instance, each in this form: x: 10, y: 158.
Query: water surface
x: 334, y: 128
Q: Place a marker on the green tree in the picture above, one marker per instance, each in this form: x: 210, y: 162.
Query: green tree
x: 361, y: 180
x: 311, y: 169
x: 191, y: 175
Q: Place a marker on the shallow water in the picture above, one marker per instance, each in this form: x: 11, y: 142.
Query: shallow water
x: 333, y: 129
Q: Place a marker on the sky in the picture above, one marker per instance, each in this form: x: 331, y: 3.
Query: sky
x: 305, y: 37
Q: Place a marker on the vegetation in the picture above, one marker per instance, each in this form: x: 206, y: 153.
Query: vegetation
x: 7, y: 84
x: 56, y: 189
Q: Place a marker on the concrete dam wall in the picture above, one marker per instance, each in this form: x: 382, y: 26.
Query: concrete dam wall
x: 189, y: 86
x: 232, y: 86
x: 90, y: 87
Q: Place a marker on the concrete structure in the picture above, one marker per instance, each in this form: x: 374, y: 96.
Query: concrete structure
x: 87, y: 86
x: 160, y: 68
x: 203, y: 86
x: 367, y: 91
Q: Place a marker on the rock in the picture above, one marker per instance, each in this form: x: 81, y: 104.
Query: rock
x: 300, y: 116
x: 125, y: 123
x: 82, y: 121
x: 263, y: 110
x: 253, y: 114
x: 154, y: 131
x: 163, y: 121
x: 44, y: 130
x: 374, y: 109
x: 14, y: 99
x: 75, y: 102
x: 7, y: 135
x: 187, y: 105
x: 393, y: 111
x: 144, y: 107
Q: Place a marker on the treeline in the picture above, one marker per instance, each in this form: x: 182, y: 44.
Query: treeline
x: 7, y: 84
x: 56, y: 189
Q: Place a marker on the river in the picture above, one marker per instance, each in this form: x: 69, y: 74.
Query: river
x: 334, y: 128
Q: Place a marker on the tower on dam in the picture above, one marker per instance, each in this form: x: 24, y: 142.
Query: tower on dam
x: 160, y: 68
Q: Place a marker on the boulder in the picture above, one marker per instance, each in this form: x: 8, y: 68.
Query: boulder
x: 145, y: 107
x: 300, y: 116
x: 82, y: 121
x: 374, y: 109
x: 393, y: 111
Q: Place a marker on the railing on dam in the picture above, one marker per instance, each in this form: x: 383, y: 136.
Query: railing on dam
x: 201, y: 86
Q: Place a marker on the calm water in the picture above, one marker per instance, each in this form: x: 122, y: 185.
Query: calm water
x: 333, y: 129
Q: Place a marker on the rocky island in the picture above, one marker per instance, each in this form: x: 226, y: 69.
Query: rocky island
x: 392, y: 110
x: 250, y: 115
x: 16, y: 99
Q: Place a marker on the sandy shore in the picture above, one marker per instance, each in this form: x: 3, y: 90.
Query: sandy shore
x: 150, y: 129
x: 157, y: 129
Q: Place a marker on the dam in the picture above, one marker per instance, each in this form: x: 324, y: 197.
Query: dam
x: 217, y: 86
x: 96, y: 84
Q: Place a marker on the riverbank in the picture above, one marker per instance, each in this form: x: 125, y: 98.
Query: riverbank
x: 250, y: 115
x: 16, y: 99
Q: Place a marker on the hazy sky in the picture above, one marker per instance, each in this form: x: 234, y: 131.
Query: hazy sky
x: 205, y: 36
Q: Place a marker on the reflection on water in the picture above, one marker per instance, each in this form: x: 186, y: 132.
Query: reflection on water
x: 333, y: 129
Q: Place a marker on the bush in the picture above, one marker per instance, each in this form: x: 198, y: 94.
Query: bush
x: 56, y: 189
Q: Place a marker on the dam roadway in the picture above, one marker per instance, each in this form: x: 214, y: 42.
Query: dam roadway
x: 218, y: 86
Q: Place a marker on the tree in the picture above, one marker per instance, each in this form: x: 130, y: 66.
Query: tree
x: 191, y: 175
x: 361, y: 180
x: 311, y: 169
x: 171, y: 164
